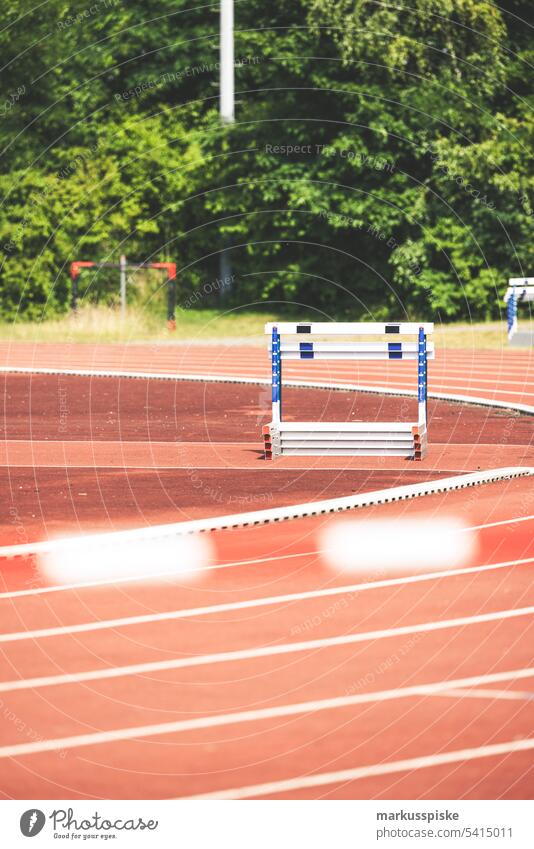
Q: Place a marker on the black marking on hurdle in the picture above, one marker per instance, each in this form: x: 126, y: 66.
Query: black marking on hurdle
x: 303, y: 328
x: 392, y: 328
x: 306, y: 350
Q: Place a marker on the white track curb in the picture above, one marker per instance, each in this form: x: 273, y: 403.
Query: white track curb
x: 259, y: 381
x: 263, y: 517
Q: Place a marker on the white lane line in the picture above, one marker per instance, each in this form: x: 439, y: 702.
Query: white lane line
x: 235, y: 347
x: 443, y: 380
x: 105, y: 582
x: 261, y: 651
x: 444, y: 371
x: 510, y: 521
x: 392, y: 389
x: 149, y: 444
x: 346, y: 775
x: 257, y: 715
x: 262, y: 381
x: 439, y: 379
x: 258, y: 356
x: 480, y: 693
x: 278, y: 558
x: 238, y: 351
x: 441, y: 367
x: 402, y: 375
x: 30, y: 460
x: 261, y: 517
x: 275, y: 469
x: 186, y: 613
x: 247, y: 372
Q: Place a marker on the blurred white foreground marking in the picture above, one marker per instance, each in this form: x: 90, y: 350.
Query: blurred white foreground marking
x: 398, y: 544
x: 92, y: 558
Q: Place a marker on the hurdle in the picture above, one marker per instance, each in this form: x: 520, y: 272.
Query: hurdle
x: 520, y: 290
x: 400, y: 439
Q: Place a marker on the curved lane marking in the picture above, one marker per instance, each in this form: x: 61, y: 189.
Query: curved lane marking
x: 259, y: 714
x: 258, y: 651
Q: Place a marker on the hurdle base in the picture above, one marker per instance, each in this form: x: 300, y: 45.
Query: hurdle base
x: 345, y: 439
x: 522, y: 339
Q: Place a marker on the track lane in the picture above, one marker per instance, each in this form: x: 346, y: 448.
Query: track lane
x: 252, y: 361
x: 182, y: 764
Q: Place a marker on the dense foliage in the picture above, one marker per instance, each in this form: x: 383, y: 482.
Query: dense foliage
x: 380, y: 162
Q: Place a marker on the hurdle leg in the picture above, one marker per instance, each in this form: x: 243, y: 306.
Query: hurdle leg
x: 420, y: 431
x: 276, y: 383
x: 271, y: 434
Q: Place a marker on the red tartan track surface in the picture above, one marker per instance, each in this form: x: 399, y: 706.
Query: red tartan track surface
x: 267, y: 672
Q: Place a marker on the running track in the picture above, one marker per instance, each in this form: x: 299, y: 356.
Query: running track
x: 269, y: 674
x: 503, y: 376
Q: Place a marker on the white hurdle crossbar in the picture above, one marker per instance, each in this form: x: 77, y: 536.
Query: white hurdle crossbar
x: 520, y: 290
x: 402, y: 439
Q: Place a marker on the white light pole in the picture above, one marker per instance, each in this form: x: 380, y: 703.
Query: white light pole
x: 226, y: 107
x: 227, y: 91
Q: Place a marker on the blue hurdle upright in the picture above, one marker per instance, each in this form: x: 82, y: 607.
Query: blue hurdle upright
x: 520, y: 291
x: 401, y: 439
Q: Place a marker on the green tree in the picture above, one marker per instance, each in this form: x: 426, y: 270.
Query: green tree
x: 380, y: 163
